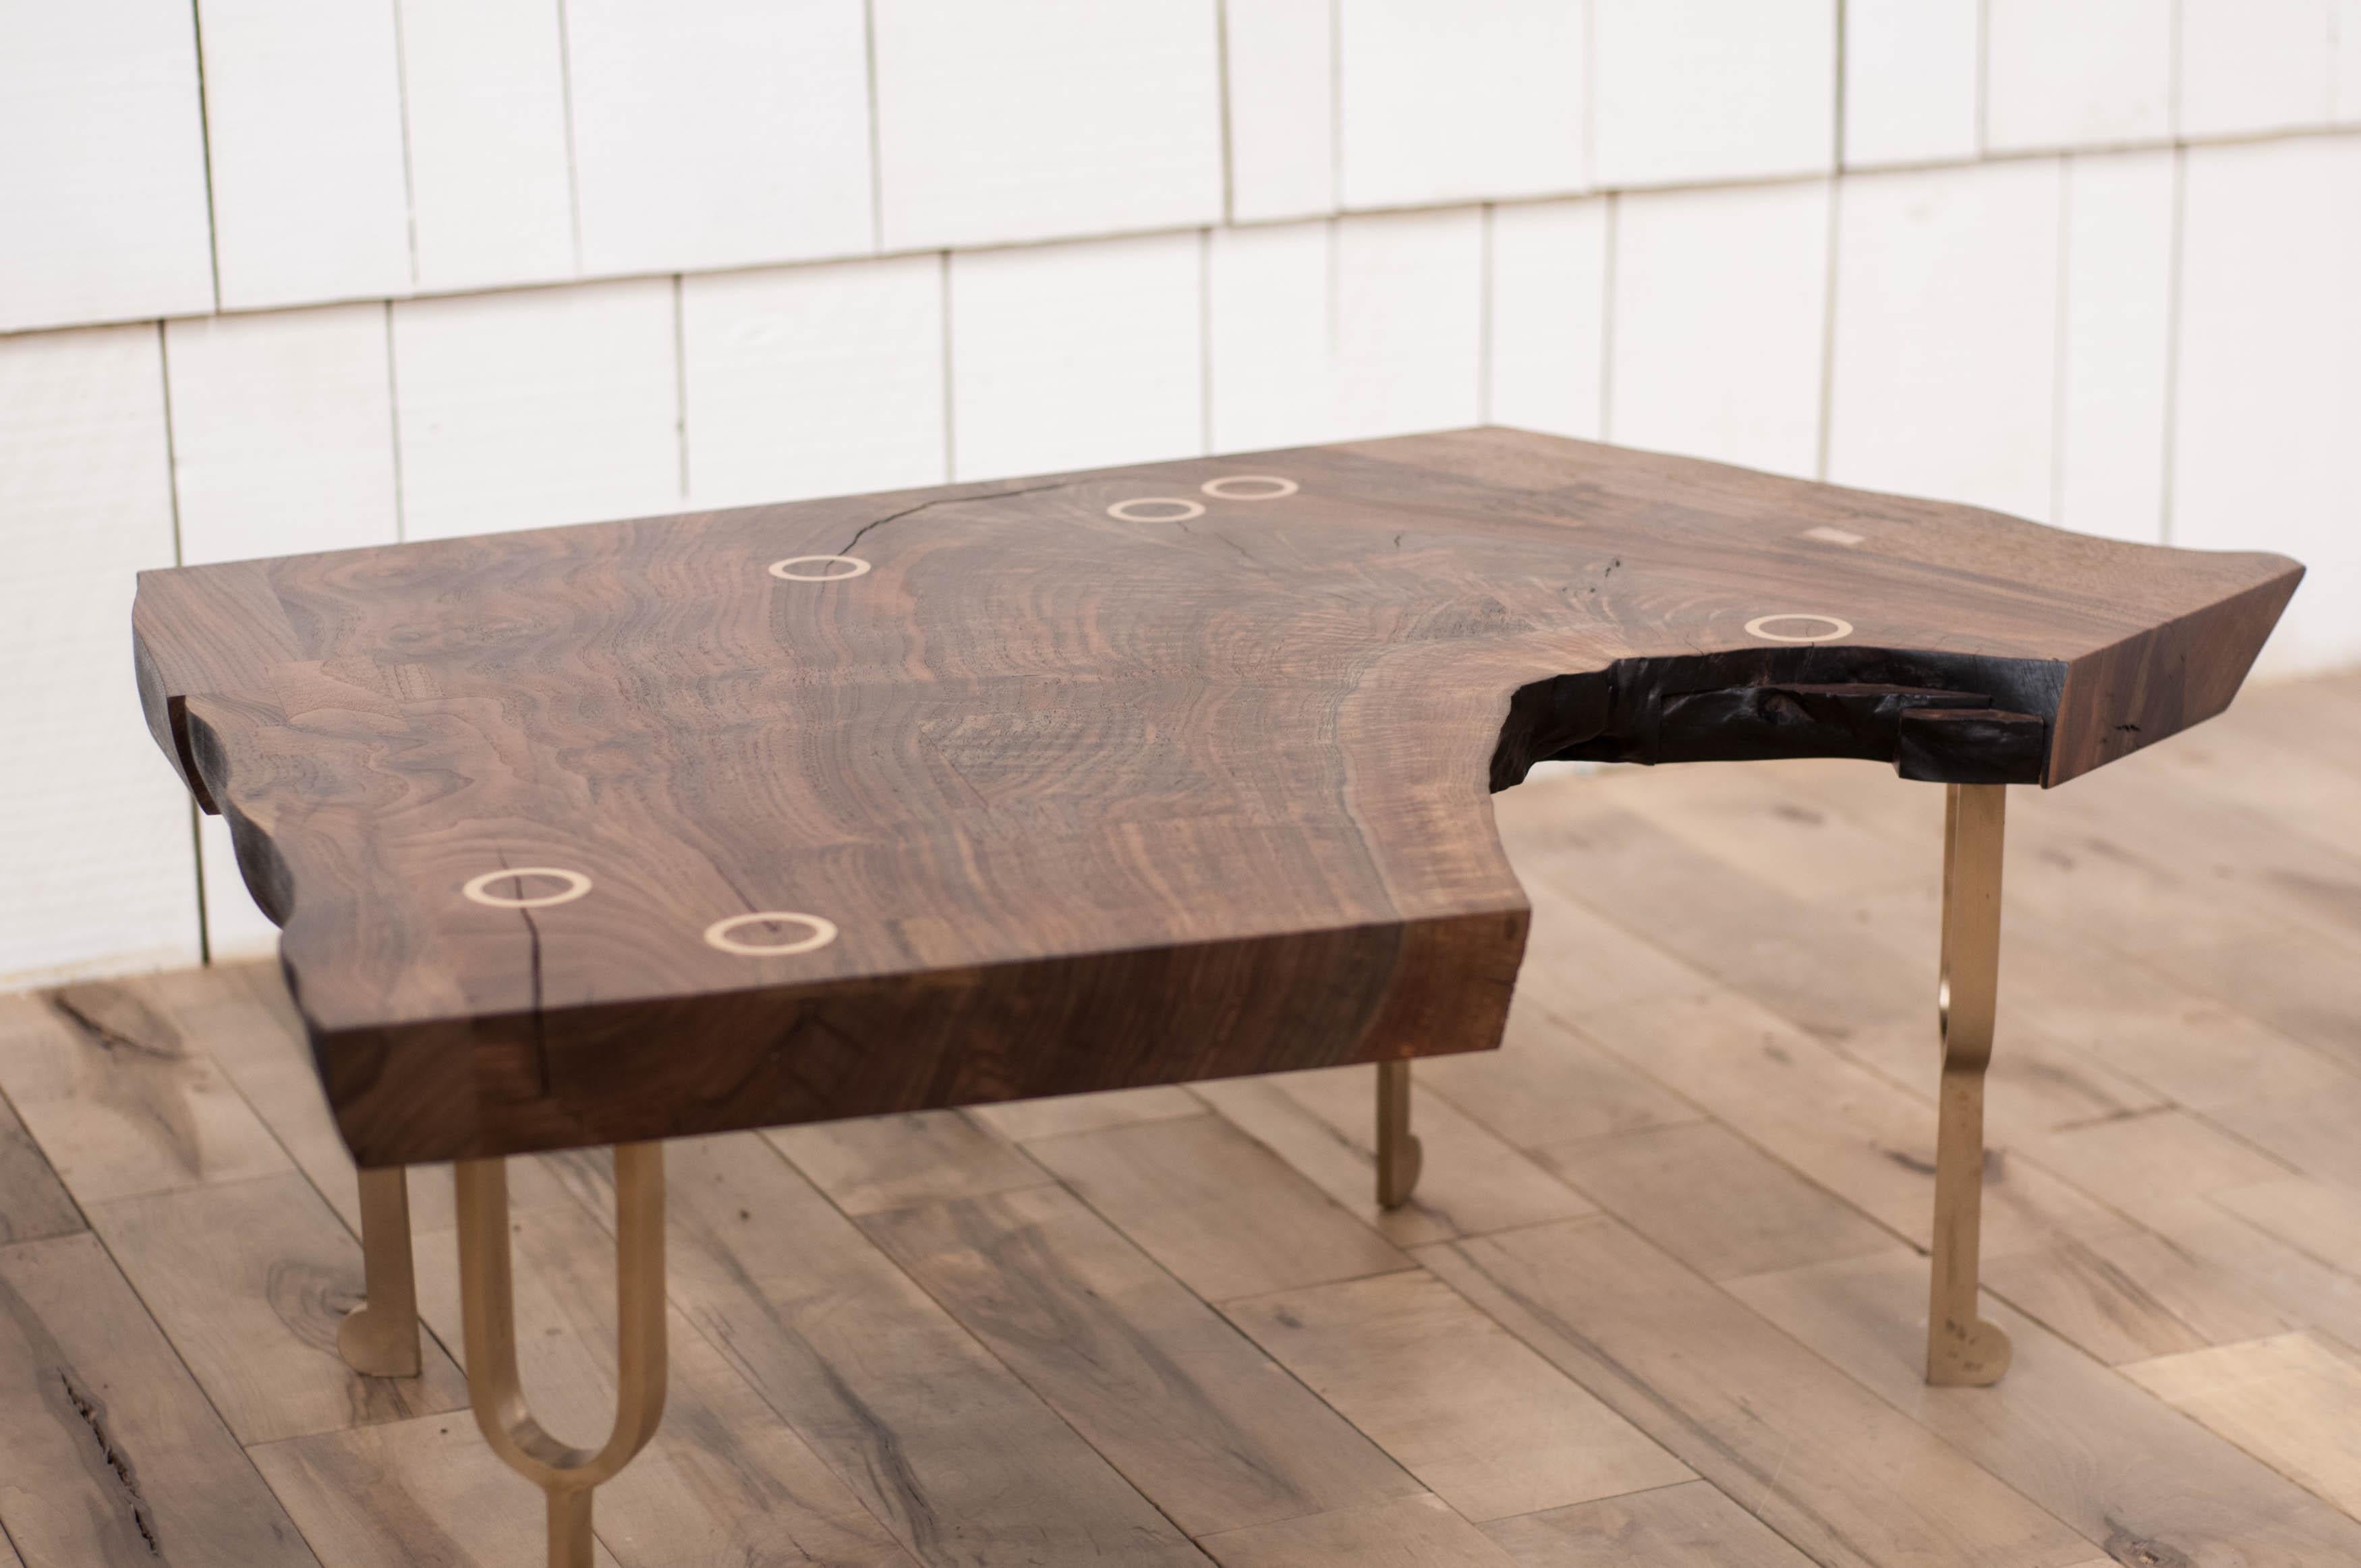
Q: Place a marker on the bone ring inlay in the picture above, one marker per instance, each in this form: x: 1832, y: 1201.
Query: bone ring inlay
x: 823, y: 932
x: 779, y: 569
x: 1121, y: 511
x: 1218, y: 487
x: 478, y: 887
x: 1760, y: 627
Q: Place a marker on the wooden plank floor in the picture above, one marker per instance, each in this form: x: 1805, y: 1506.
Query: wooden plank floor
x: 1659, y: 1303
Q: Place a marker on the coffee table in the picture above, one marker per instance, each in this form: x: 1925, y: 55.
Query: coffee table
x: 610, y: 834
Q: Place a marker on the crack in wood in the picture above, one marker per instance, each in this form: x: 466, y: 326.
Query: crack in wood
x: 92, y: 1411
x: 943, y: 501
x: 82, y: 1007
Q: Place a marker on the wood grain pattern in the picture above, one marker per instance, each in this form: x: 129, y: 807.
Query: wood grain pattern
x: 1224, y: 1213
x: 2150, y: 1165
x: 1092, y: 802
x: 33, y: 1202
x: 1713, y: 1201
x: 109, y: 1454
x: 2115, y: 950
x: 891, y: 1162
x: 1482, y: 1420
x: 2130, y: 1295
x: 250, y: 1280
x: 1320, y: 1124
x: 724, y: 1481
x: 1833, y: 1121
x: 2300, y: 1289
x: 1411, y: 1533
x: 119, y: 1100
x: 1692, y: 1525
x: 1024, y: 1118
x: 2172, y: 1493
x: 1808, y: 961
x: 416, y: 1491
x: 945, y: 1446
x: 2287, y: 1400
x: 1546, y: 1084
x: 2322, y: 1218
x: 1188, y: 1409
x: 1726, y: 1392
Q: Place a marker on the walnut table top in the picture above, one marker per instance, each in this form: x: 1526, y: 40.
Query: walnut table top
x: 601, y: 834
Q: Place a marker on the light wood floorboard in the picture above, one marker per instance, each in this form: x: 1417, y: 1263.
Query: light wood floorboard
x: 1659, y: 1303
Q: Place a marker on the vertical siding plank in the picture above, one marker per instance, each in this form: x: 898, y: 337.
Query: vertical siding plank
x: 484, y: 100
x: 1690, y: 91
x: 1272, y: 326
x: 2266, y: 400
x: 1002, y: 124
x: 2346, y: 63
x: 1332, y: 332
x: 1911, y: 70
x: 1549, y: 314
x: 1076, y: 355
x: 303, y: 113
x: 1451, y: 103
x: 101, y: 164
x: 1409, y: 322
x: 2118, y: 305
x: 96, y: 859
x: 549, y: 406
x: 719, y: 133
x: 1715, y: 360
x: 1280, y: 69
x: 282, y: 433
x: 2095, y: 73
x: 2255, y: 65
x: 814, y: 381
x: 282, y: 441
x: 1947, y: 334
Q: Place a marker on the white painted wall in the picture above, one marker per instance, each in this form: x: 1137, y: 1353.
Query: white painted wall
x: 409, y: 269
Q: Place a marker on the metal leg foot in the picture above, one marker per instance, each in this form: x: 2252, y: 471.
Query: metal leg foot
x: 379, y: 1337
x: 1399, y: 1155
x: 1962, y: 1348
x: 566, y: 1474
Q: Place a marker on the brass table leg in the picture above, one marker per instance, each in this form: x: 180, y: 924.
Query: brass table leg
x: 1962, y: 1348
x: 379, y: 1337
x: 1399, y: 1155
x: 566, y: 1474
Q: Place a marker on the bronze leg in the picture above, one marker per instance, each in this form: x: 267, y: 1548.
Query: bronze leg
x: 379, y: 1337
x: 1962, y: 1348
x: 1399, y: 1155
x: 565, y: 1473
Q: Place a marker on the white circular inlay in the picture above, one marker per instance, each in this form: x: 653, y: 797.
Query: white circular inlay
x: 1121, y: 511
x: 1221, y: 486
x: 781, y: 569
x: 576, y: 884
x: 823, y: 932
x: 1760, y: 627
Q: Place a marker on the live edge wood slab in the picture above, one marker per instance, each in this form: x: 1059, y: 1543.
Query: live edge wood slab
x: 1152, y: 774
